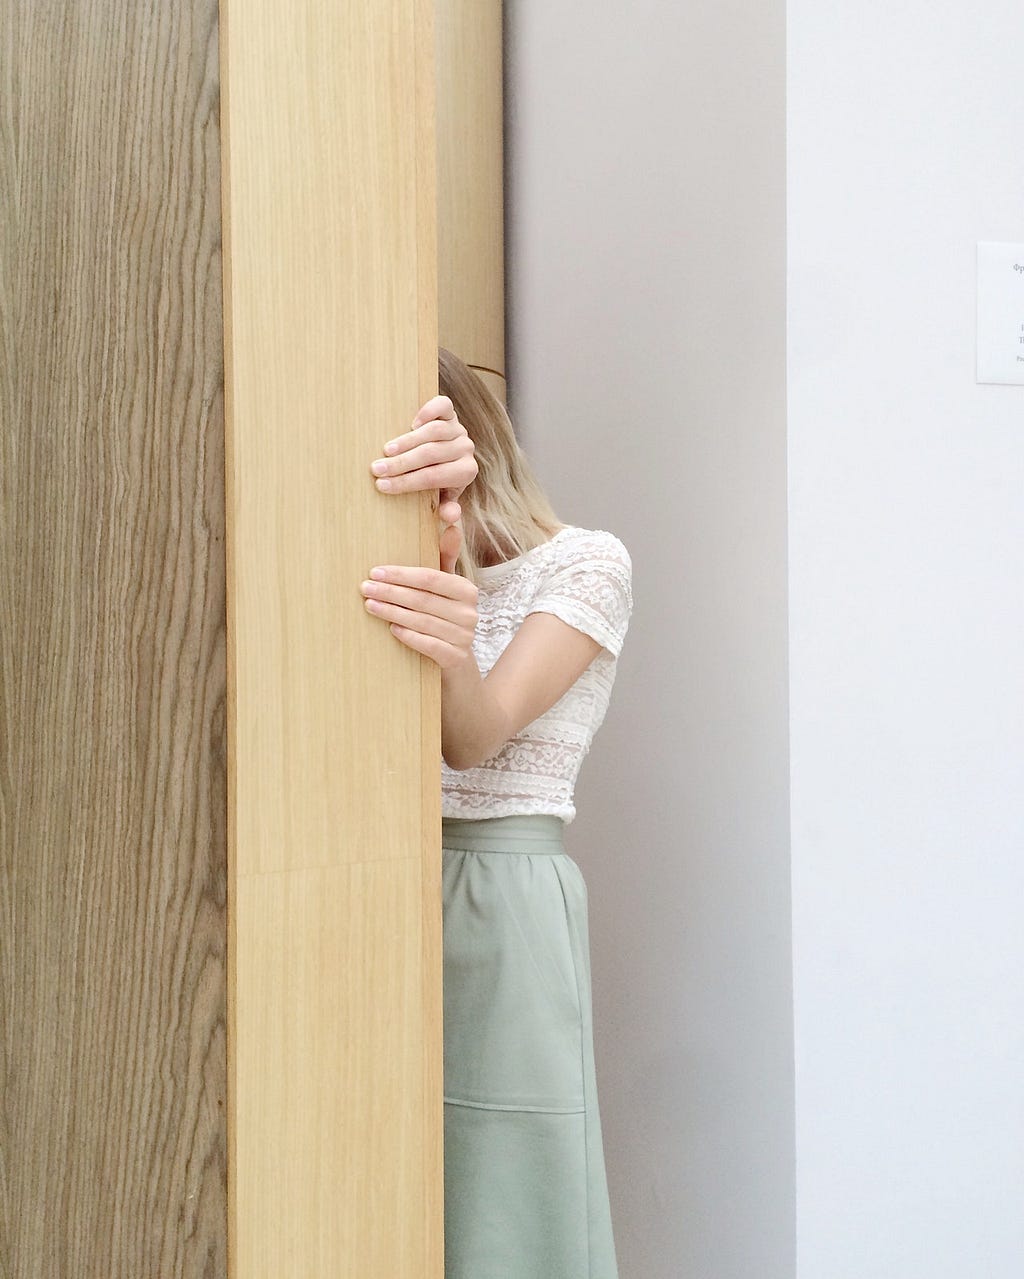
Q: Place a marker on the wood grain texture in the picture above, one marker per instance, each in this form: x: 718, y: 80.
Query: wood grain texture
x: 471, y: 256
x: 112, y: 644
x: 335, y: 1116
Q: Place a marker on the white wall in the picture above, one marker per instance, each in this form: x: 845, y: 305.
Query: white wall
x: 646, y: 285
x: 906, y: 642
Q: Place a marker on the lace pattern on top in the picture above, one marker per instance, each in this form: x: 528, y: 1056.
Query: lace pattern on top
x: 583, y: 577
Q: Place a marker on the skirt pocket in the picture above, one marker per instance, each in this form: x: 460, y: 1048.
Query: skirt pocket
x: 513, y: 1021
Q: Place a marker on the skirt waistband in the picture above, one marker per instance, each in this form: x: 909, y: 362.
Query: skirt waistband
x: 521, y: 833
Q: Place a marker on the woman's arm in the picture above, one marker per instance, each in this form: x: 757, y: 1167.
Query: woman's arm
x: 433, y: 611
x: 540, y: 664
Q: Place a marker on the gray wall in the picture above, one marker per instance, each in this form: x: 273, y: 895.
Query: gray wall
x: 741, y: 259
x: 646, y: 291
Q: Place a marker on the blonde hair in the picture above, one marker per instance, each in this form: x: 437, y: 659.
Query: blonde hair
x: 504, y: 511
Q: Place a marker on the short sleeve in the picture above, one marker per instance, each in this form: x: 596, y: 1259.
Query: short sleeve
x: 590, y: 588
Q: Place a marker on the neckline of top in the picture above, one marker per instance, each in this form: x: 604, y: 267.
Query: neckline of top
x: 487, y: 572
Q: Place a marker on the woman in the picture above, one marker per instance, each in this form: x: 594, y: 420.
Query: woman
x: 525, y: 618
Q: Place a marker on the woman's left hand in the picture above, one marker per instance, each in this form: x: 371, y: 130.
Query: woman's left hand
x: 436, y: 453
x: 430, y: 610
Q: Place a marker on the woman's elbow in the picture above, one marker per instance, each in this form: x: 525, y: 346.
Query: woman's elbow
x: 458, y: 761
x: 464, y: 756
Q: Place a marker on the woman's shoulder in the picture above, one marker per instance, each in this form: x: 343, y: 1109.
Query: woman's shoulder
x: 574, y: 545
x: 587, y: 582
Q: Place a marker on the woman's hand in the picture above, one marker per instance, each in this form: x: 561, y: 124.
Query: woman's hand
x: 436, y: 453
x: 432, y: 611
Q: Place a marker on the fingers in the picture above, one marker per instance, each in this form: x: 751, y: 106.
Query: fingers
x: 428, y: 610
x: 423, y: 623
x: 388, y: 583
x: 445, y: 655
x: 431, y: 429
x: 444, y: 475
x: 461, y: 612
x: 449, y: 546
x: 451, y: 448
x: 436, y: 454
x: 449, y: 511
x: 440, y: 406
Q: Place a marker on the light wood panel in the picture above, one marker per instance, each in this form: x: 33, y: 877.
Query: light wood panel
x: 112, y: 644
x: 334, y: 794
x: 471, y: 260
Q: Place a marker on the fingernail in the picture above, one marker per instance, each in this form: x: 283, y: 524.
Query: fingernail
x: 383, y: 486
x: 380, y: 467
x: 390, y: 446
x: 378, y: 573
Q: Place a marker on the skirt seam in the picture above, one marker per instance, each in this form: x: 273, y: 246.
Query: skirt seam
x: 532, y: 1110
x: 583, y: 1081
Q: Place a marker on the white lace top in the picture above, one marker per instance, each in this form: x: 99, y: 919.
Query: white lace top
x: 583, y: 576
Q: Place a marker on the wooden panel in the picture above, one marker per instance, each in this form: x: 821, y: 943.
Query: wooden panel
x: 112, y: 644
x: 495, y: 384
x: 332, y: 995
x: 334, y: 796
x: 471, y: 261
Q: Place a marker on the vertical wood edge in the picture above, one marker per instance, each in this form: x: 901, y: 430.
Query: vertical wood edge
x: 430, y: 682
x: 232, y: 699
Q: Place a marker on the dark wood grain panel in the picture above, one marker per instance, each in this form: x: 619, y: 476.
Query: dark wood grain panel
x: 112, y: 643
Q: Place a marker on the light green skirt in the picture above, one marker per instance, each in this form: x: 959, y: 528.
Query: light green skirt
x: 526, y: 1195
